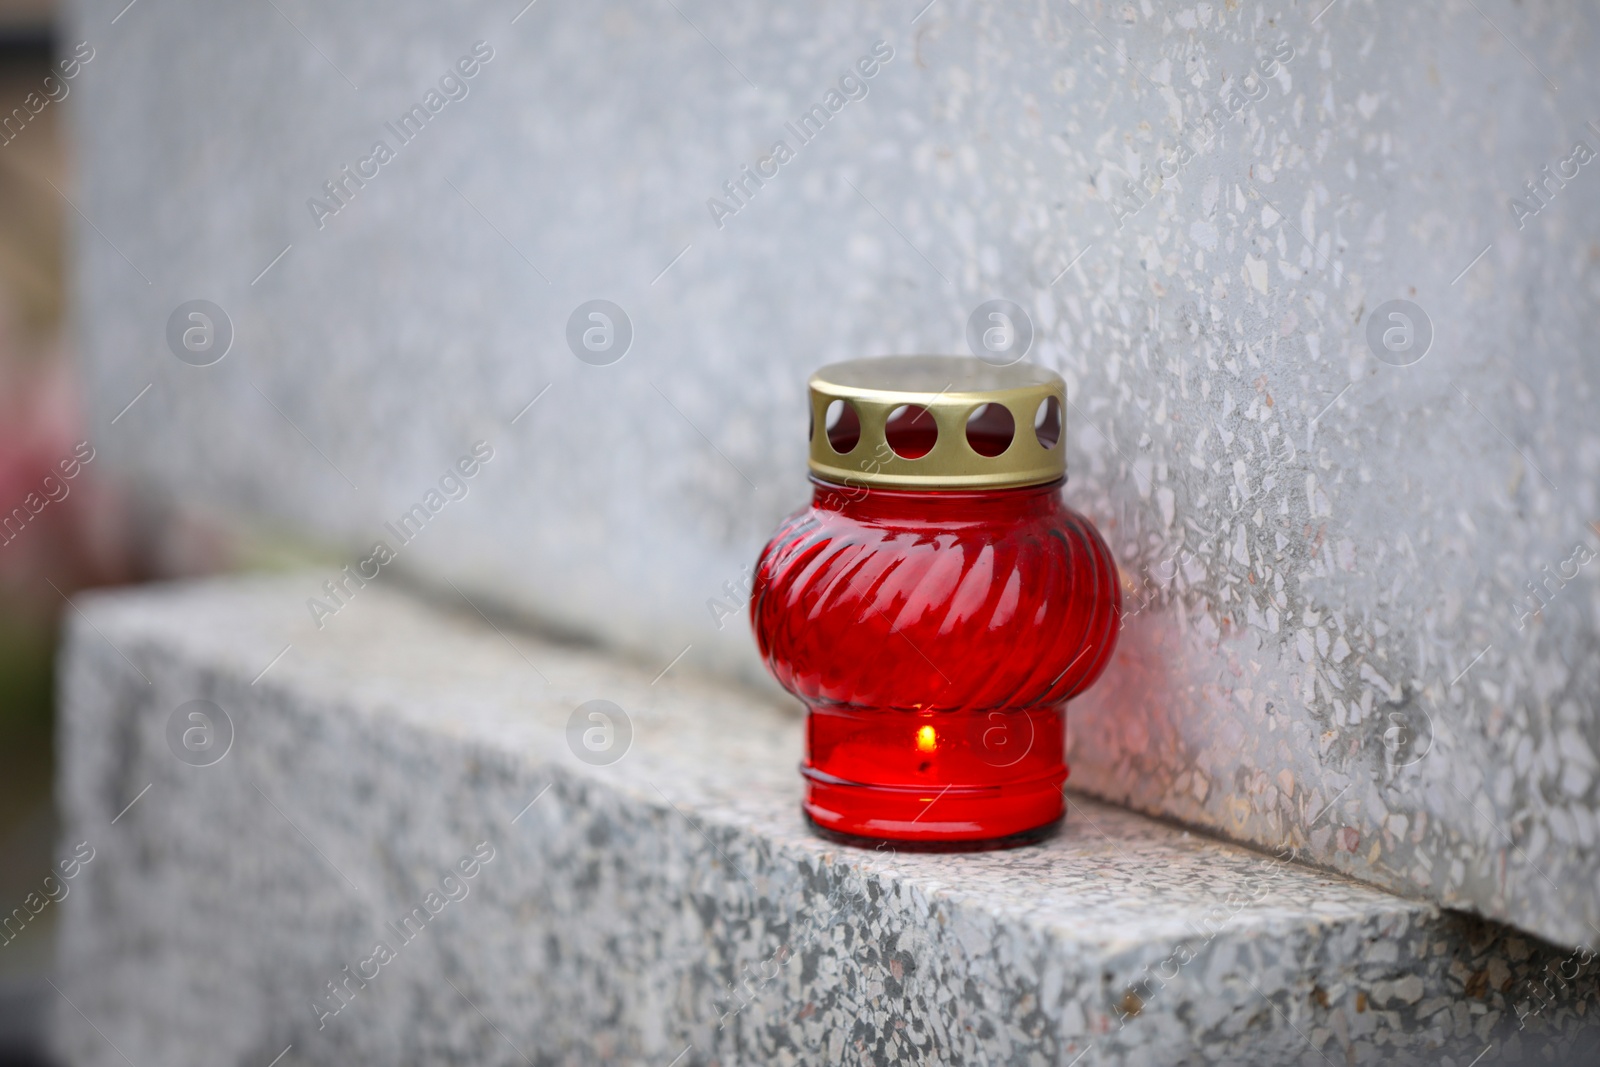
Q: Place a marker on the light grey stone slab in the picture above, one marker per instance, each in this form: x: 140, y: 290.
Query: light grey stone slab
x: 668, y: 904
x: 1331, y: 555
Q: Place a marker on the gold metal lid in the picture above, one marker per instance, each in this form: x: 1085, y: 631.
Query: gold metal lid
x: 937, y: 422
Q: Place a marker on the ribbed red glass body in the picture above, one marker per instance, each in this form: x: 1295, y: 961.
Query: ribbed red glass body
x: 935, y: 637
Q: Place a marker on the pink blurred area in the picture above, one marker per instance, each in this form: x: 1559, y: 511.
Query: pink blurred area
x: 61, y: 531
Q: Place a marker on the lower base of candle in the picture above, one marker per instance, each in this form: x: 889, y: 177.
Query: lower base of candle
x: 950, y: 776
x: 1035, y: 836
x: 950, y: 813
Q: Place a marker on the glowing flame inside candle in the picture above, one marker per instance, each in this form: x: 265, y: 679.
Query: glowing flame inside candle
x: 926, y: 739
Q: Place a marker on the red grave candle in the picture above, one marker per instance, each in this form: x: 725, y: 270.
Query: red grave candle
x: 936, y: 604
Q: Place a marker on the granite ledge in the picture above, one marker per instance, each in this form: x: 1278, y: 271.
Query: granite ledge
x: 671, y: 903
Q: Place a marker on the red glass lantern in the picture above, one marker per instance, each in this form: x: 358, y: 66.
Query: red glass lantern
x: 937, y: 603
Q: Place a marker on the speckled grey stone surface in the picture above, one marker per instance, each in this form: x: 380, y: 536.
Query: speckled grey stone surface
x: 1331, y: 555
x: 671, y: 903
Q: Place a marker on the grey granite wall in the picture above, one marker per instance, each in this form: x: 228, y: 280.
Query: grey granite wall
x: 1358, y: 547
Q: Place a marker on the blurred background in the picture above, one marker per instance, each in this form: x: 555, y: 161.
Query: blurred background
x: 92, y: 537
x: 87, y: 539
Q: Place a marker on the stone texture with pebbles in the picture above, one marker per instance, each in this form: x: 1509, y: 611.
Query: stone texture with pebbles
x: 668, y: 904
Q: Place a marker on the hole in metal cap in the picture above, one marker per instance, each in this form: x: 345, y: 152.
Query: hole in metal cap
x: 1047, y: 423
x: 990, y: 429
x: 843, y: 426
x: 911, y: 431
